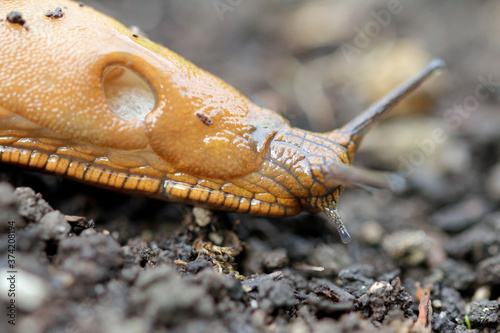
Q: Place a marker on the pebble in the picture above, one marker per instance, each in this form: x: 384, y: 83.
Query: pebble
x: 410, y: 247
x: 202, y: 216
x: 483, y: 292
x: 372, y: 232
x: 6, y: 194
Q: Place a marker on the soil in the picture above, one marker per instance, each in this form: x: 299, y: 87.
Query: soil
x: 57, y: 13
x: 425, y: 259
x: 16, y: 18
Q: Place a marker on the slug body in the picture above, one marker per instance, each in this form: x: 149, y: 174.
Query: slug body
x: 201, y: 142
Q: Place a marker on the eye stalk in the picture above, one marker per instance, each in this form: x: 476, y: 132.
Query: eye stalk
x: 363, y: 122
x: 357, y: 128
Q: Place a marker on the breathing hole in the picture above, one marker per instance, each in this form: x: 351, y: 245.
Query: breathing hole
x: 128, y: 94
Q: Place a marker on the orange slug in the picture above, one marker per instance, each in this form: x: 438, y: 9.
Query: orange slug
x: 195, y: 139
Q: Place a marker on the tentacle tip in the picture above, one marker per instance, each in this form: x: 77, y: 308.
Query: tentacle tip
x: 437, y: 63
x: 334, y: 216
x: 396, y: 182
x: 345, y: 236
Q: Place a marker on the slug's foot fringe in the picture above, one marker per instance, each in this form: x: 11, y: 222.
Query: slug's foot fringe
x: 333, y: 214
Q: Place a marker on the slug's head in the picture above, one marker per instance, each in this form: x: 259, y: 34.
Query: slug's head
x: 320, y: 163
x: 317, y: 168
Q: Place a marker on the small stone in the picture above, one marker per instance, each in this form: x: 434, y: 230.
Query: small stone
x: 407, y: 246
x: 483, y: 292
x: 6, y: 194
x: 202, y: 216
x: 372, y: 232
x: 80, y: 223
x: 216, y: 238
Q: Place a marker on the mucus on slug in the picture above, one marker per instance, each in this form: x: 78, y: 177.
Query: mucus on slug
x: 201, y: 143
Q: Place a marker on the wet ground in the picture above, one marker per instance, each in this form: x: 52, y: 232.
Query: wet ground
x: 424, y: 260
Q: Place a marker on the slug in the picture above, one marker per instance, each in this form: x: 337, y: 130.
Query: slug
x: 189, y: 137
